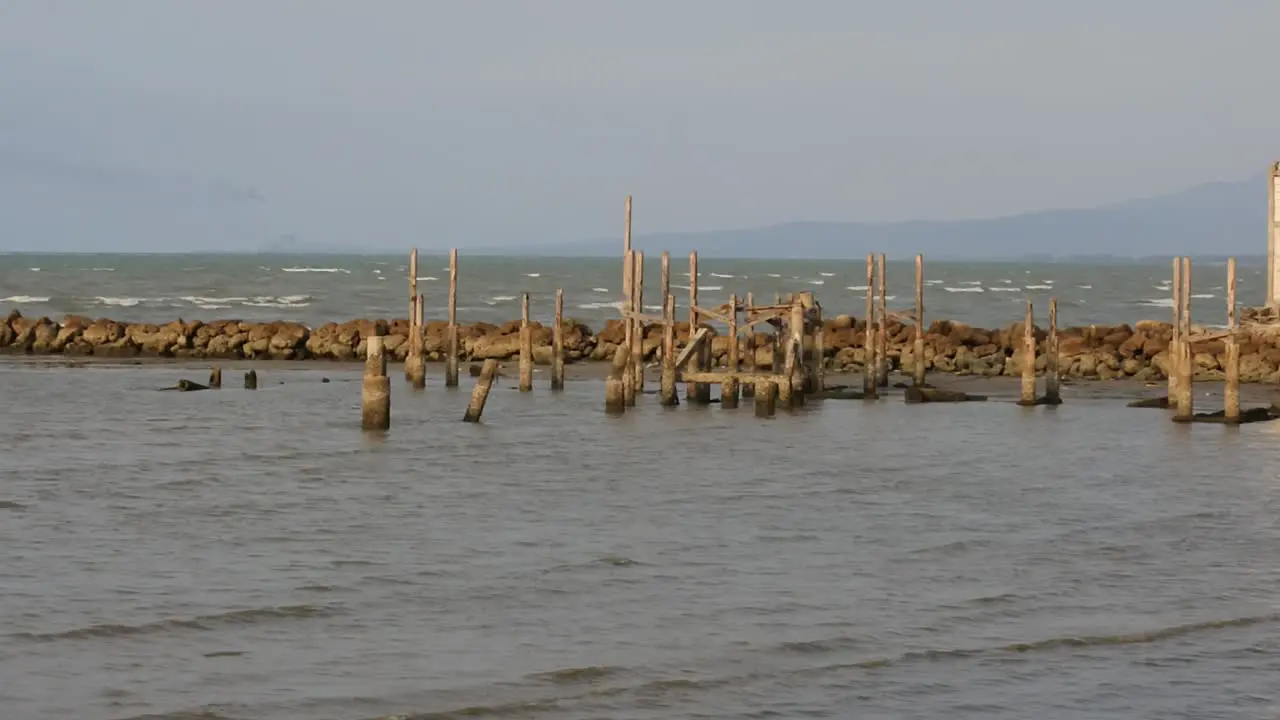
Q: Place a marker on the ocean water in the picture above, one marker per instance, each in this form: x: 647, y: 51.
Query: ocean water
x: 253, y: 556
x: 319, y: 289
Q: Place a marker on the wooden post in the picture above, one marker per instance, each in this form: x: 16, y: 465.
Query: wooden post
x: 480, y: 393
x: 819, y: 352
x: 637, y: 337
x: 749, y: 348
x: 251, y: 380
x: 882, y: 356
x: 413, y: 285
x: 869, y: 362
x: 526, y: 346
x: 691, y: 389
x: 1273, y: 235
x: 729, y: 386
x: 451, y: 357
x: 557, y: 344
x: 628, y: 299
x: 1175, y: 337
x: 375, y: 392
x: 702, y: 391
x: 917, y: 348
x: 1028, y: 360
x: 1052, y: 375
x: 1184, y: 404
x: 415, y: 363
x: 1231, y: 393
x: 215, y: 378
x: 667, y: 394
x: 796, y: 370
x: 615, y: 400
x: 766, y: 396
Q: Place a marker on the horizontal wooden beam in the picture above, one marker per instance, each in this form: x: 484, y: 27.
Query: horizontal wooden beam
x: 714, y: 377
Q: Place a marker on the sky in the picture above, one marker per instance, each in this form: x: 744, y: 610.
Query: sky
x: 477, y: 122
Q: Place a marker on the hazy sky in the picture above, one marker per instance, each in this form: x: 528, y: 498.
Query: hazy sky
x: 455, y: 122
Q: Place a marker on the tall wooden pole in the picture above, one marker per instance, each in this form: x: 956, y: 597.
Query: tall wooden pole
x: 1028, y: 360
x: 882, y: 356
x: 451, y: 358
x: 526, y: 346
x: 1273, y: 231
x: 749, y: 346
x: 1231, y: 394
x: 637, y: 336
x: 557, y: 344
x: 917, y: 349
x: 628, y: 324
x: 693, y: 391
x: 1052, y: 375
x: 869, y: 342
x: 667, y: 394
x: 1185, y: 403
x: 1175, y: 336
x: 412, y: 362
x: 729, y: 388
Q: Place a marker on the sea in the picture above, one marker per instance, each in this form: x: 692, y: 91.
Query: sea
x: 325, y: 288
x: 253, y: 555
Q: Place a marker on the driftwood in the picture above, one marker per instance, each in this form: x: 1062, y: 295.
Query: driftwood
x: 187, y: 386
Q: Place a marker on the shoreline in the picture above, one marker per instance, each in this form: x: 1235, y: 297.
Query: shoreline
x: 1136, y: 353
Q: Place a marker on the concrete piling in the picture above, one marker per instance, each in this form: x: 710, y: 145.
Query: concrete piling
x: 375, y: 391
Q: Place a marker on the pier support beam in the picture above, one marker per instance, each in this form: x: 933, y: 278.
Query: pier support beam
x: 1273, y: 236
x: 375, y: 391
x: 451, y: 357
x: 1231, y: 393
x: 1183, y: 399
x: 480, y: 393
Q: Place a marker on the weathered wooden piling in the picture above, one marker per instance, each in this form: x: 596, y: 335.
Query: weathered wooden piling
x: 1052, y: 373
x: 749, y: 347
x: 869, y: 363
x: 882, y: 354
x: 557, y: 343
x: 415, y: 361
x: 796, y: 368
x: 1231, y: 393
x: 1027, y: 361
x: 729, y: 388
x: 215, y: 378
x: 480, y: 393
x: 917, y: 348
x: 1175, y: 339
x: 1185, y: 411
x: 819, y: 375
x: 526, y: 346
x: 637, y: 336
x: 615, y: 400
x: 411, y: 360
x: 701, y: 391
x: 375, y: 390
x: 451, y: 341
x: 251, y: 380
x: 667, y: 393
x: 628, y: 310
x: 765, y: 398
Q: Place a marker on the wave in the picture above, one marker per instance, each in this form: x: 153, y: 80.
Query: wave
x: 286, y: 301
x: 720, y: 275
x: 1157, y: 302
x: 25, y: 299
x: 600, y: 289
x: 1038, y: 287
x: 857, y: 287
x: 617, y: 305
x: 1085, y: 287
x: 970, y: 282
x: 120, y: 301
x: 1005, y: 289
x: 251, y: 616
x: 500, y: 299
x: 964, y: 289
x: 817, y: 282
x: 315, y: 270
x: 104, y: 269
x: 429, y: 278
x: 827, y: 274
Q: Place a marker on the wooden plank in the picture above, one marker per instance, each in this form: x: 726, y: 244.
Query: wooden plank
x: 689, y: 350
x: 716, y: 377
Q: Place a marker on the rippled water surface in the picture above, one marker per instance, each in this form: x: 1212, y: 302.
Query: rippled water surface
x: 325, y: 288
x: 237, y: 554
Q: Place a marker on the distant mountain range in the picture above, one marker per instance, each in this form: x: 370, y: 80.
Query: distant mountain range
x: 1213, y: 219
x: 50, y: 206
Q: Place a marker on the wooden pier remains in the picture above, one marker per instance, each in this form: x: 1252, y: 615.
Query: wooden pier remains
x: 375, y: 390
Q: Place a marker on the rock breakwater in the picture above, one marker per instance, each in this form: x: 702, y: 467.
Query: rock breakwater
x: 1092, y: 352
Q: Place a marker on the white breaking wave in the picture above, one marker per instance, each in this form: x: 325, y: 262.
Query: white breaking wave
x: 817, y: 282
x: 827, y: 274
x: 500, y: 299
x: 1085, y: 287
x: 972, y: 288
x: 25, y: 299
x: 428, y: 278
x: 600, y: 289
x: 856, y: 287
x: 601, y: 305
x: 1039, y: 287
x: 719, y: 275
x: 1005, y: 289
x: 533, y: 274
x: 120, y: 302
x: 1157, y: 302
x: 315, y: 270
